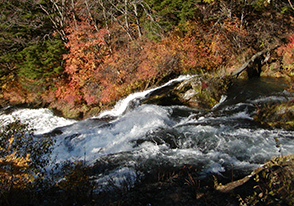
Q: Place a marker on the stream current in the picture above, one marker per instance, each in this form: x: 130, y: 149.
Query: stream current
x: 149, y: 136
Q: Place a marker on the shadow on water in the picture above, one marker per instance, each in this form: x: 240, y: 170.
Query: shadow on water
x: 257, y: 88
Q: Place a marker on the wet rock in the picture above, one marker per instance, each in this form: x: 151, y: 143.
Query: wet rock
x: 202, y: 92
x: 277, y: 115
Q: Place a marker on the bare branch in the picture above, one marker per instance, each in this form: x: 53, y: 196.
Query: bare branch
x: 106, y: 23
x: 137, y: 20
x: 58, y: 26
x: 74, y: 13
x: 90, y: 15
x: 291, y: 4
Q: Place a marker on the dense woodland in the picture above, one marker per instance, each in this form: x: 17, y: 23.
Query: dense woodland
x: 81, y: 56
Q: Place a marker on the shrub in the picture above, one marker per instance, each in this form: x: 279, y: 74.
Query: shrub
x: 274, y: 183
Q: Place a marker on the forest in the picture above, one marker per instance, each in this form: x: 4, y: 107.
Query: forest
x: 79, y: 57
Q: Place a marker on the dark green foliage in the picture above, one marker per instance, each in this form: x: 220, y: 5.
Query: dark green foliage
x: 27, y: 46
x: 173, y: 12
x: 42, y: 60
x: 21, y: 23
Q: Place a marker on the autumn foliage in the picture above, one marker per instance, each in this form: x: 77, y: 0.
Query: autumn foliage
x: 22, y: 162
x: 105, y: 50
x: 99, y: 72
x: 94, y: 74
x: 83, y: 63
x: 287, y: 54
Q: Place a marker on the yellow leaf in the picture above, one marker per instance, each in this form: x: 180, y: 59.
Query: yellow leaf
x: 10, y: 143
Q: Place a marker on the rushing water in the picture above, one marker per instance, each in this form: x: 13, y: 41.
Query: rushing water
x: 145, y: 135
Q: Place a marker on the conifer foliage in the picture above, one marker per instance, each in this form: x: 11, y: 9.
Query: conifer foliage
x: 41, y: 61
x: 30, y: 52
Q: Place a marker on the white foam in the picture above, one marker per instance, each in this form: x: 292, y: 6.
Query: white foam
x: 123, y: 104
x: 223, y: 99
x: 115, y: 138
x: 122, y: 177
x: 42, y: 120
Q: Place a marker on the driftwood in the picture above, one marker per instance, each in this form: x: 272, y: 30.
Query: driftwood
x: 251, y: 60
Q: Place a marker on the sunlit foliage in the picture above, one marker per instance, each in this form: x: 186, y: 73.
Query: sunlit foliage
x: 106, y: 49
x: 87, y: 50
x: 287, y: 53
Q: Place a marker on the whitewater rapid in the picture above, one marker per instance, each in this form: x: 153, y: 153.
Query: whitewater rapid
x: 121, y: 107
x: 153, y: 135
x: 41, y: 120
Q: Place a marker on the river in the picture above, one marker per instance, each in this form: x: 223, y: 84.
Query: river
x: 149, y: 136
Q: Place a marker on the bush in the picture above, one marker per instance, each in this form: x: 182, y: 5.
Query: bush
x: 274, y: 183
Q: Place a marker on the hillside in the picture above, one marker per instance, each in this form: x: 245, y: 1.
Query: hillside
x: 80, y: 57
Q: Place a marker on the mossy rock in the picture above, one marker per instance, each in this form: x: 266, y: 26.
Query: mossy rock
x: 277, y: 115
x: 207, y: 91
x: 202, y: 92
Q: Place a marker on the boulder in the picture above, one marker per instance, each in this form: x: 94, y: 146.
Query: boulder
x: 202, y: 92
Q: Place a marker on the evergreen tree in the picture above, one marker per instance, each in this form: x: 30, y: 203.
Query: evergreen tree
x: 173, y: 12
x: 41, y: 61
x: 27, y: 47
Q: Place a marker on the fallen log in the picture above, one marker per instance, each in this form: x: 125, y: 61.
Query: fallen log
x: 253, y: 59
